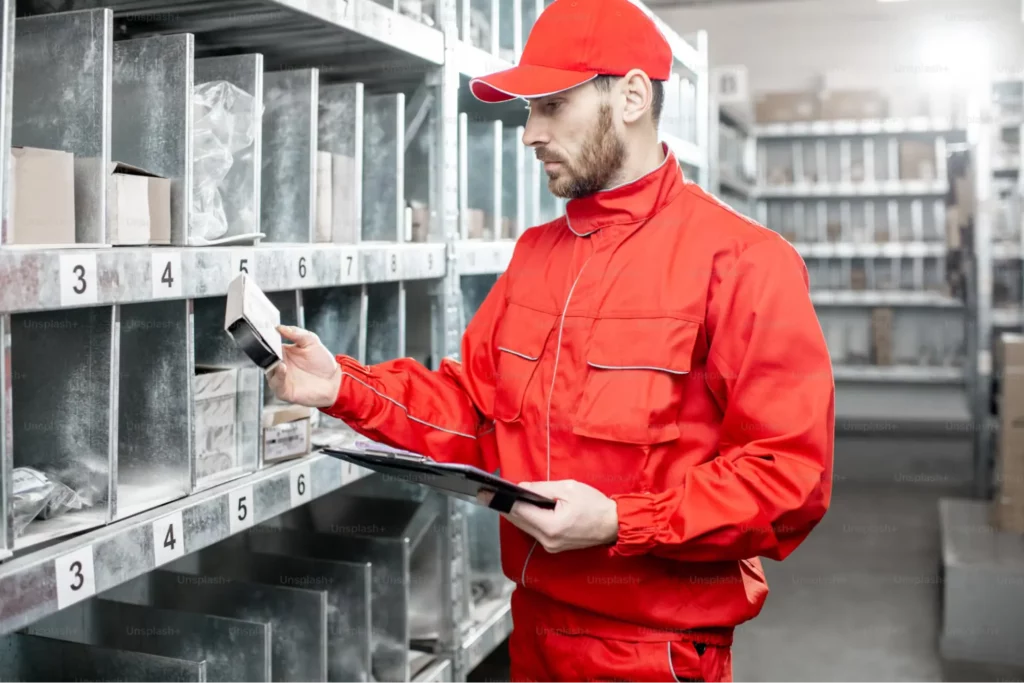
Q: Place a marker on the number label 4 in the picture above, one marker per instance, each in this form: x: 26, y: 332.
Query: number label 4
x: 241, y: 509
x: 78, y: 281
x: 168, y: 538
x: 301, y: 485
x: 166, y: 273
x: 76, y: 578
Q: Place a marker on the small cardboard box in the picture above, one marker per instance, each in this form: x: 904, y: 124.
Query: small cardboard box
x: 420, y: 222
x: 858, y: 279
x: 786, y: 107
x: 138, y: 206
x: 1008, y: 503
x: 477, y: 222
x: 853, y: 104
x: 917, y: 160
x: 252, y: 320
x: 42, y: 196
x: 215, y: 394
x: 324, y: 220
x: 287, y: 432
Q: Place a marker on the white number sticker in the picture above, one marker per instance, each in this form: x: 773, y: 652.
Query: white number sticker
x: 304, y: 266
x: 168, y: 538
x: 78, y: 281
x: 241, y: 509
x: 350, y: 266
x: 166, y: 273
x: 243, y: 261
x: 300, y: 485
x: 76, y: 579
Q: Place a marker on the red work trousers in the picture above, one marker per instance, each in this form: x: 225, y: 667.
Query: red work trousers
x: 540, y: 654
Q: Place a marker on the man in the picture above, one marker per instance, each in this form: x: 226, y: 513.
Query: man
x: 651, y: 359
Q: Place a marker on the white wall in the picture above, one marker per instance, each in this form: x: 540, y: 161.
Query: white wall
x: 857, y: 43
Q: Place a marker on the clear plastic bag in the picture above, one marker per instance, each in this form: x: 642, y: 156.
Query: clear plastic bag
x: 34, y: 495
x: 225, y: 119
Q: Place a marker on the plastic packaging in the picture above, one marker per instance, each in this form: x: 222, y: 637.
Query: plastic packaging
x: 225, y: 120
x: 37, y: 495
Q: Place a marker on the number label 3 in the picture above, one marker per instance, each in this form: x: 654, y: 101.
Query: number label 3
x: 78, y: 281
x: 301, y: 485
x: 168, y: 539
x: 76, y: 579
x: 241, y: 509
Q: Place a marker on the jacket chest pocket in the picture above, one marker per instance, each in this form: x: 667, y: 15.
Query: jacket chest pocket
x: 636, y: 371
x: 521, y: 338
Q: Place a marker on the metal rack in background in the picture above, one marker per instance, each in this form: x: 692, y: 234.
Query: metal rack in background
x: 101, y: 343
x: 865, y: 202
x: 734, y: 149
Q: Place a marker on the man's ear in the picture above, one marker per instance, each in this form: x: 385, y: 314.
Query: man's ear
x: 639, y: 95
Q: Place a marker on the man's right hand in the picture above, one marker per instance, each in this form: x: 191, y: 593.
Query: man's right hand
x: 308, y: 374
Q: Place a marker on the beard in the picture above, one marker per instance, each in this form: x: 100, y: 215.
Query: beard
x: 600, y: 159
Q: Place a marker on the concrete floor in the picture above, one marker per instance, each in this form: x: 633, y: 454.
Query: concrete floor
x: 860, y: 599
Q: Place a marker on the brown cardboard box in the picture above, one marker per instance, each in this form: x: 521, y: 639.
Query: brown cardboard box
x: 420, y: 222
x: 834, y: 231
x: 917, y: 160
x: 858, y: 279
x: 853, y: 104
x: 42, y: 196
x: 1008, y: 503
x: 881, y: 330
x: 138, y: 206
x: 881, y: 236
x: 477, y: 223
x: 786, y: 107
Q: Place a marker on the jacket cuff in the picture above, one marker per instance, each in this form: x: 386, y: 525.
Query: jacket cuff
x: 640, y: 517
x: 355, y: 395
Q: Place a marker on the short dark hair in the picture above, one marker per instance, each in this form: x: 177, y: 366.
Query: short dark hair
x: 604, y: 84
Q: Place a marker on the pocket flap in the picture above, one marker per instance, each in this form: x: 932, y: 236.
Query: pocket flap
x: 523, y: 332
x: 664, y: 344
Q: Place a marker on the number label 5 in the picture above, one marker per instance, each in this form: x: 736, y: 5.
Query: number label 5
x: 166, y: 272
x: 78, y: 281
x: 168, y: 539
x: 76, y: 579
x: 301, y: 485
x: 241, y: 509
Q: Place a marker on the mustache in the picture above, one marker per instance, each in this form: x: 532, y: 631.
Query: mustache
x: 544, y: 157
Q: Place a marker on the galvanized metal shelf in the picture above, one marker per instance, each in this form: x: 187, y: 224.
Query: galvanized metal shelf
x: 492, y: 624
x: 474, y: 62
x: 890, y: 126
x: 889, y: 188
x: 440, y: 670
x: 730, y: 182
x: 480, y: 257
x: 898, y: 374
x: 854, y: 298
x: 47, y: 580
x: 686, y: 152
x: 871, y: 249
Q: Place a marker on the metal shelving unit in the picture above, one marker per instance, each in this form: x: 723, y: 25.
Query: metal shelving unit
x: 734, y: 148
x: 101, y: 343
x: 865, y: 203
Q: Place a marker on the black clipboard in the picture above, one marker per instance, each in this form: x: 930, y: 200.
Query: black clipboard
x: 447, y: 477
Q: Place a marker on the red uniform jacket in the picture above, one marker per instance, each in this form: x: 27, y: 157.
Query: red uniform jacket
x: 663, y: 349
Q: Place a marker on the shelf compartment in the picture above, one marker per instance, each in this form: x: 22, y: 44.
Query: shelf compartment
x: 64, y: 410
x: 480, y: 152
x: 297, y: 616
x: 338, y: 316
x: 513, y: 191
x: 422, y: 317
x: 154, y: 392
x: 403, y: 545
x: 215, y: 348
x: 62, y: 100
x: 385, y: 322
x: 241, y: 188
x: 492, y: 624
x: 890, y: 126
x: 384, y: 168
x: 289, y: 160
x: 341, y: 119
x: 347, y: 586
x: 153, y: 80
x: 233, y: 649
x: 486, y: 576
x: 26, y: 657
x: 421, y: 163
x: 475, y: 289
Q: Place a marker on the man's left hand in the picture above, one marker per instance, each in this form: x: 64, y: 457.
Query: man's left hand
x: 583, y: 517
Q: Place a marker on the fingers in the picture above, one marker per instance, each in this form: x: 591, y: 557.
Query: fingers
x: 277, y: 379
x: 302, y: 338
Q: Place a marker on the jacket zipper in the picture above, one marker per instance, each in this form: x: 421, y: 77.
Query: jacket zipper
x: 551, y: 392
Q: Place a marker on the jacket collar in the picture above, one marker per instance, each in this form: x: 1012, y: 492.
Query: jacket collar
x: 630, y: 202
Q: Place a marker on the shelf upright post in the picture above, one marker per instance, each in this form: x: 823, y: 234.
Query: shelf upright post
x: 6, y: 93
x: 6, y: 439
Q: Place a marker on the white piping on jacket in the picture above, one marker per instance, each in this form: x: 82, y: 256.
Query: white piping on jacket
x: 414, y: 419
x: 637, y: 367
x: 551, y: 391
x: 671, y: 669
x: 516, y: 353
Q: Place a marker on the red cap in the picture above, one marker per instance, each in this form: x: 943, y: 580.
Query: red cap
x: 574, y: 41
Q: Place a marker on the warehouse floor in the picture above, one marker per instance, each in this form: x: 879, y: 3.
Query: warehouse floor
x: 859, y: 600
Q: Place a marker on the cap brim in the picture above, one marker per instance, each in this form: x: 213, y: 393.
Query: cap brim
x: 526, y: 80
